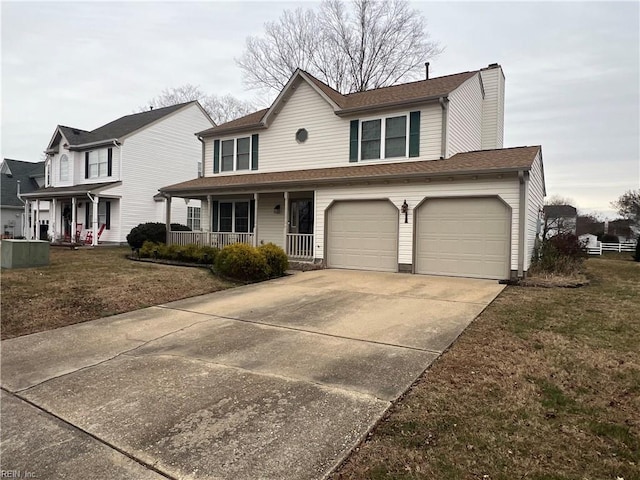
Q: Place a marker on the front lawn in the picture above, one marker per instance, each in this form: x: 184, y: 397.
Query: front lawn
x: 86, y: 284
x: 545, y: 384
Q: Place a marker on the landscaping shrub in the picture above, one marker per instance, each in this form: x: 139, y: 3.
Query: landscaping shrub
x: 276, y: 259
x: 182, y: 253
x: 561, y: 254
x: 153, y: 232
x: 609, y: 238
x: 242, y: 262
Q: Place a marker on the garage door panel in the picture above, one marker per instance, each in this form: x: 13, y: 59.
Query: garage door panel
x: 363, y: 235
x: 463, y: 237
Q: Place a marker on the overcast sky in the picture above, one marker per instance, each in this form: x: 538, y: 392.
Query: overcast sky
x: 572, y: 72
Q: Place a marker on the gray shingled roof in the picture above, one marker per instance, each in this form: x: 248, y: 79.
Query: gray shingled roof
x: 117, y: 128
x: 559, y: 211
x: 26, y: 172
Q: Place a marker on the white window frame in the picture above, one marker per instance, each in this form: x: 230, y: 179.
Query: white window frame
x: 102, y: 213
x: 235, y: 154
x: 192, y: 218
x: 65, y: 177
x: 383, y: 132
x: 233, y: 216
x: 95, y: 154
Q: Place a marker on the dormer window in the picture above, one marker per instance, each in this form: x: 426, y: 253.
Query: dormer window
x: 64, y: 168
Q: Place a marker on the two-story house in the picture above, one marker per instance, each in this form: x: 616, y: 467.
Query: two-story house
x: 17, y: 178
x: 104, y: 182
x: 409, y: 178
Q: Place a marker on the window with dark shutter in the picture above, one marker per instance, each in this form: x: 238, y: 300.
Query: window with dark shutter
x: 107, y: 215
x: 353, y: 140
x: 86, y: 164
x: 216, y: 156
x: 109, y: 163
x: 414, y: 134
x: 254, y: 151
x: 214, y: 216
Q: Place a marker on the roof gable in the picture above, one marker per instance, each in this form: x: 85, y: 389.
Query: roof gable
x: 379, y: 98
x: 119, y: 128
x: 18, y: 170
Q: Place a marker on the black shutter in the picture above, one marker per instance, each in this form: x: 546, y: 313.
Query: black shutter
x: 254, y: 151
x: 107, y: 214
x: 214, y: 216
x: 252, y: 215
x: 216, y: 156
x: 86, y: 164
x: 353, y: 140
x: 109, y: 162
x: 87, y: 205
x: 414, y: 134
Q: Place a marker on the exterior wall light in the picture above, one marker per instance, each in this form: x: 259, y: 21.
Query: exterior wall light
x: 405, y: 209
x: 276, y: 209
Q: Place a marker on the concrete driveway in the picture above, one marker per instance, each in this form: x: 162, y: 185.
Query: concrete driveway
x: 268, y: 381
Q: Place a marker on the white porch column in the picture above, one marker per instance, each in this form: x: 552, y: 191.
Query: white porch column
x: 286, y: 222
x: 26, y: 229
x: 168, y: 218
x: 36, y: 220
x: 74, y: 219
x: 94, y: 240
x: 255, y: 219
x: 53, y: 215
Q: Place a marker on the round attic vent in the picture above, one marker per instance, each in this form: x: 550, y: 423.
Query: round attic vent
x: 302, y: 135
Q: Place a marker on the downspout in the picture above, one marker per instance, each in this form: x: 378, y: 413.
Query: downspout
x: 444, y: 104
x: 202, y: 161
x: 522, y: 213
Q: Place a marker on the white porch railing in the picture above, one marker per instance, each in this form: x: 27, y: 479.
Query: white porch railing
x: 300, y: 245
x: 212, y: 239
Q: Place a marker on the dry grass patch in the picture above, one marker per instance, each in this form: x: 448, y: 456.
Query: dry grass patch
x: 545, y: 384
x: 86, y: 284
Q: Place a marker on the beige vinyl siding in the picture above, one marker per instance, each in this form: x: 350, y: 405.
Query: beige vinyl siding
x: 328, y: 142
x: 270, y: 224
x: 506, y: 188
x: 535, y: 201
x: 464, y: 120
x: 493, y: 108
x: 164, y: 153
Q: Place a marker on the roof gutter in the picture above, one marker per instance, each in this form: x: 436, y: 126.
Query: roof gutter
x: 229, y: 131
x: 385, y: 106
x: 83, y: 146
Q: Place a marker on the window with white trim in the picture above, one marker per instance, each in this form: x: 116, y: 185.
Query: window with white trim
x: 233, y: 217
x: 386, y: 137
x: 98, y: 163
x: 193, y: 218
x: 235, y: 154
x: 102, y: 214
x: 64, y: 168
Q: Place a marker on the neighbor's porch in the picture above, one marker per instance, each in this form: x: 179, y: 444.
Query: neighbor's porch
x: 283, y: 218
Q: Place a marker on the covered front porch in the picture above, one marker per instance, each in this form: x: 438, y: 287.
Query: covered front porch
x: 78, y: 215
x: 283, y: 218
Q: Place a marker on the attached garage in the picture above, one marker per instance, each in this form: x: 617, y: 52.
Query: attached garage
x: 362, y: 235
x: 466, y: 237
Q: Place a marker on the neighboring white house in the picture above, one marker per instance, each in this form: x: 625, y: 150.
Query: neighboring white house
x: 409, y: 178
x: 106, y: 181
x: 17, y: 178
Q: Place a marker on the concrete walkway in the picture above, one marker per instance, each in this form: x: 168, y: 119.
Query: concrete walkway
x: 268, y: 381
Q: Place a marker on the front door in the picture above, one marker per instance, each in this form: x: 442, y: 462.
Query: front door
x: 301, y: 216
x: 65, y: 220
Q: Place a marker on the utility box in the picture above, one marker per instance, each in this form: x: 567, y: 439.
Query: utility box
x: 24, y: 253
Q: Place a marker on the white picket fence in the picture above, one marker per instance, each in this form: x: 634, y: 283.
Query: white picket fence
x: 611, y: 247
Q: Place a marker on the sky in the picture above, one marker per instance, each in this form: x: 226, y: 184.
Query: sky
x: 572, y: 73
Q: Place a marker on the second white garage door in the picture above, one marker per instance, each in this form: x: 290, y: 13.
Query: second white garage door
x: 468, y: 237
x: 363, y: 235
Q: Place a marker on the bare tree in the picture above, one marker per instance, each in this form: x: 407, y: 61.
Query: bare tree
x: 368, y: 45
x: 628, y: 205
x: 221, y: 108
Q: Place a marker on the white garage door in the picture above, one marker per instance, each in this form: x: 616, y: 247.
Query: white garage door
x: 466, y: 237
x: 363, y: 235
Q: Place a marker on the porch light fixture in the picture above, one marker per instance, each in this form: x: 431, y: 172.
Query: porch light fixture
x: 405, y: 209
x: 276, y: 209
